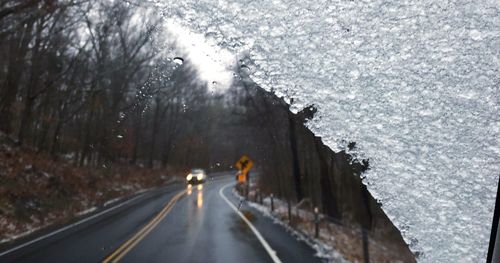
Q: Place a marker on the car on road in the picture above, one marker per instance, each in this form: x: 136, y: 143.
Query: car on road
x: 196, y: 176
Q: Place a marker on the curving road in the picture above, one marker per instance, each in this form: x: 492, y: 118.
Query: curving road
x: 173, y: 224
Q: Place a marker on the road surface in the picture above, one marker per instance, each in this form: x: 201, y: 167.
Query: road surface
x: 173, y: 224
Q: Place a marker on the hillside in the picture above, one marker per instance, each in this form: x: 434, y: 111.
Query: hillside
x: 37, y: 190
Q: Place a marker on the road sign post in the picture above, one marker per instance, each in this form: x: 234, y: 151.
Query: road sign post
x: 248, y: 185
x: 244, y: 164
x: 316, y: 222
x: 272, y: 202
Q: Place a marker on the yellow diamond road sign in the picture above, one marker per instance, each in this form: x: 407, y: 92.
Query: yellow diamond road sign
x: 244, y: 164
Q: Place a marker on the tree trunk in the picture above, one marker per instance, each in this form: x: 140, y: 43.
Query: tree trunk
x: 295, y: 156
x: 137, y: 139
x: 25, y: 119
x: 86, y: 140
x: 328, y: 199
x: 55, y: 138
x: 32, y: 86
x: 154, y: 133
x: 17, y: 51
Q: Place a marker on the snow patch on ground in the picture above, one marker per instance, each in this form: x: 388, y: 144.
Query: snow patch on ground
x: 26, y: 233
x: 112, y: 201
x: 86, y: 211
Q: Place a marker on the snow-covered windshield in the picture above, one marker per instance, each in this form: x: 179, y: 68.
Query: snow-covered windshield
x: 416, y: 84
x: 368, y: 129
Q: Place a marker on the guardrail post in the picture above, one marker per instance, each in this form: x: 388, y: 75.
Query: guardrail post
x: 289, y: 212
x: 316, y: 222
x: 272, y: 202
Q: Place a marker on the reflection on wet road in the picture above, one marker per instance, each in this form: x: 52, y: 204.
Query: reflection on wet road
x: 182, y: 223
x: 200, y: 228
x: 199, y: 193
x: 199, y: 198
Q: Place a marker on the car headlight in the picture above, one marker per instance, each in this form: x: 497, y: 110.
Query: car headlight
x: 189, y: 177
x: 199, y: 177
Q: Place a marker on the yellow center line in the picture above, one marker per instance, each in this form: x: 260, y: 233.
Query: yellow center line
x: 132, y: 242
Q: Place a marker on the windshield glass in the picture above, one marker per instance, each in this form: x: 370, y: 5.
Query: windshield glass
x: 249, y: 131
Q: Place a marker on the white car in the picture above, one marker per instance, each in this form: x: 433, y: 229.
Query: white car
x: 196, y: 176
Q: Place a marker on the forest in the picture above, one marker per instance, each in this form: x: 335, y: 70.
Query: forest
x: 94, y: 85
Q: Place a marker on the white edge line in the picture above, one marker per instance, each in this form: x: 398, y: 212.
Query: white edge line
x: 67, y: 227
x: 270, y: 251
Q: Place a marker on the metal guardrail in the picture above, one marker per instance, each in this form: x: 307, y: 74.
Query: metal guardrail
x: 317, y: 220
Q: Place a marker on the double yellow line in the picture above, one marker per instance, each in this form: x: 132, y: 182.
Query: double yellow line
x: 132, y: 242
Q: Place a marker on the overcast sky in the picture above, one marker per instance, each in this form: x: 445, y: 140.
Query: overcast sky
x: 213, y: 63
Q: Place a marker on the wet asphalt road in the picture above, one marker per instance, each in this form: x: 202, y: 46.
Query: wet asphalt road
x: 199, y: 227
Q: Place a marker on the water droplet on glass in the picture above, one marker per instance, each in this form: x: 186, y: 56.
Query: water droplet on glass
x: 245, y: 69
x: 119, y: 136
x: 179, y: 60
